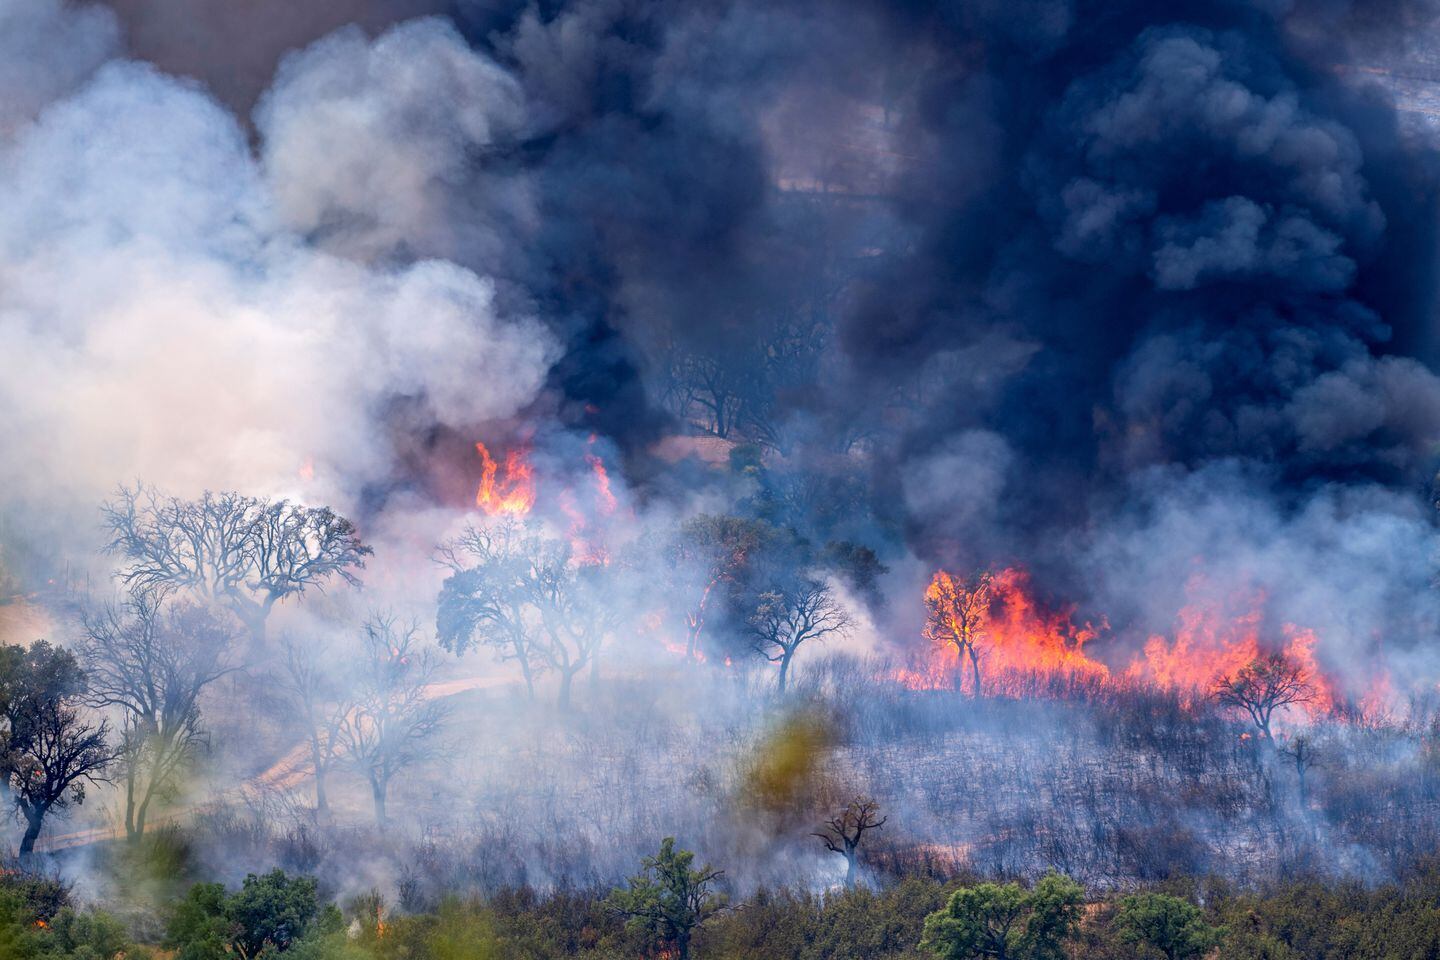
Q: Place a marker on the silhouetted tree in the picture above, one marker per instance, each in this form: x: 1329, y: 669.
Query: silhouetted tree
x: 791, y: 613
x: 319, y: 701
x: 526, y: 594
x: 1303, y: 754
x: 843, y: 832
x: 393, y: 720
x: 957, y: 612
x: 669, y: 898
x: 244, y: 552
x: 151, y: 658
x: 48, y: 753
x: 1263, y: 686
x: 708, y: 556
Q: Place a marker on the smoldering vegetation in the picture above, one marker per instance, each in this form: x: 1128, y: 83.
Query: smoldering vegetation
x: 453, y: 454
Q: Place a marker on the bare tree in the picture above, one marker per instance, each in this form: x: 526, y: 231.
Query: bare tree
x: 320, y: 704
x: 709, y: 553
x: 151, y: 658
x: 49, y: 751
x: 1302, y: 752
x: 957, y: 612
x: 800, y: 609
x: 393, y: 720
x: 843, y: 832
x: 1264, y: 685
x: 244, y: 552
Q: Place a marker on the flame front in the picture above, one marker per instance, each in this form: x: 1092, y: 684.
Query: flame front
x: 1023, y: 648
x: 510, y: 495
x: 1018, y: 639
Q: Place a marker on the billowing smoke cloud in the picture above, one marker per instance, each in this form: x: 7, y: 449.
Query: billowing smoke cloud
x: 165, y: 318
x: 47, y: 48
x: 991, y: 283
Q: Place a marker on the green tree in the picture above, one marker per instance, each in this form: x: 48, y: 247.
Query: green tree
x: 1006, y: 921
x: 268, y: 914
x: 669, y: 898
x: 1175, y: 928
x: 48, y: 753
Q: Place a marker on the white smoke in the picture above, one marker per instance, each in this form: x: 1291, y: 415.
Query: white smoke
x: 162, y: 314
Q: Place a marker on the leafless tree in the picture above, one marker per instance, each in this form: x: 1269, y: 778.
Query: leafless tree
x: 798, y: 610
x: 392, y: 723
x: 1302, y: 752
x: 321, y: 705
x: 843, y: 832
x: 957, y: 612
x: 244, y: 552
x: 151, y: 658
x: 1264, y: 685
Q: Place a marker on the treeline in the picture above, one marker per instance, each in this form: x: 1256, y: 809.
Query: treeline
x: 675, y: 909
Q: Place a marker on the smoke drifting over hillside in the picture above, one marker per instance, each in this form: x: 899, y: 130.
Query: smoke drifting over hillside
x: 1138, y: 298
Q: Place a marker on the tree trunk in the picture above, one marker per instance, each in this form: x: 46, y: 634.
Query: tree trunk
x: 523, y: 656
x: 975, y: 671
x: 850, y: 871
x: 34, y: 818
x: 682, y: 945
x: 567, y: 678
x: 785, y: 670
x: 322, y: 802
x: 130, y: 803
x: 377, y: 792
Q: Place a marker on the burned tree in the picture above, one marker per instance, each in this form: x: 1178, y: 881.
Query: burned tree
x: 957, y: 612
x: 151, y: 658
x: 320, y: 705
x: 48, y: 752
x: 1303, y: 754
x: 843, y: 832
x: 709, y: 554
x: 246, y: 553
x: 392, y: 722
x: 485, y: 599
x: 1264, y: 685
x: 527, y: 596
x: 787, y: 616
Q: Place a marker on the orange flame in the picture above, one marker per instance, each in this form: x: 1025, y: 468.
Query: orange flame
x: 602, y: 483
x: 1017, y: 638
x: 1209, y: 645
x: 513, y: 495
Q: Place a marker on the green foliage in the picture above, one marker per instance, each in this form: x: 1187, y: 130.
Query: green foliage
x: 668, y: 899
x: 1006, y: 921
x: 269, y: 914
x: 88, y: 935
x: 1161, y: 924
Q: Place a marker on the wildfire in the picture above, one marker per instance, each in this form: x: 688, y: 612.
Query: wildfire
x: 1210, y: 644
x: 606, y: 496
x: 1018, y: 641
x: 1014, y: 635
x: 511, y: 495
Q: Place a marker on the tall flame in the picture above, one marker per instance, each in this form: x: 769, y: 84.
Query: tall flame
x: 1020, y: 641
x: 514, y: 493
x: 1017, y: 637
